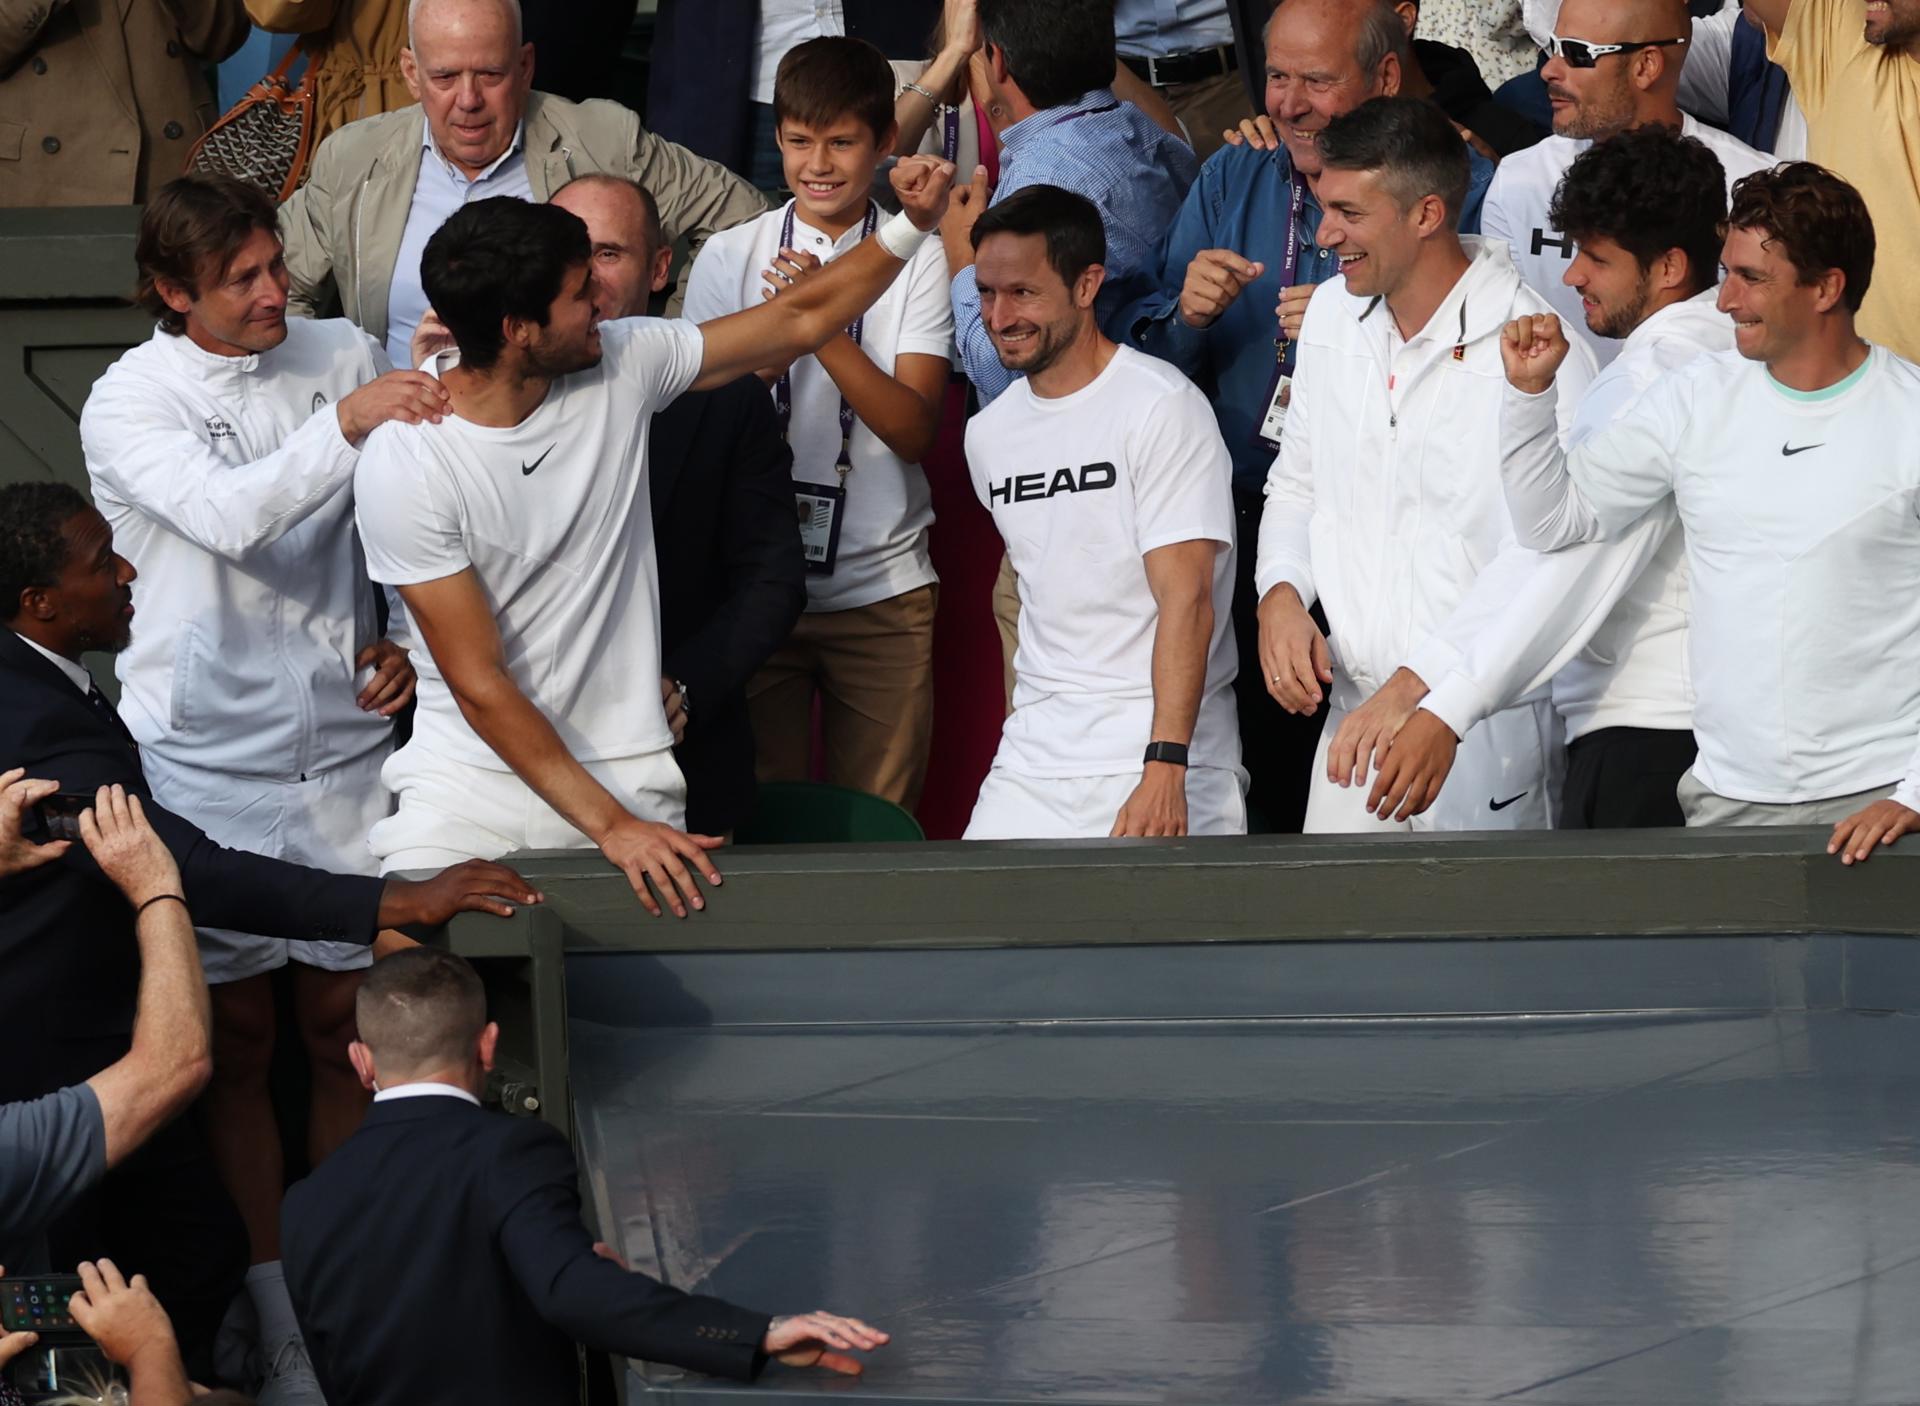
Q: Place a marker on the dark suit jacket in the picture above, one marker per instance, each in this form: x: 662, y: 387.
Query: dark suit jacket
x: 439, y: 1256
x: 700, y: 87
x: 732, y: 578
x: 67, y: 950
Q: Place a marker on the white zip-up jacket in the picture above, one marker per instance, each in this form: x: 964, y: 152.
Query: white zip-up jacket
x: 1384, y: 502
x: 1802, y: 521
x: 1605, y: 621
x: 229, y: 486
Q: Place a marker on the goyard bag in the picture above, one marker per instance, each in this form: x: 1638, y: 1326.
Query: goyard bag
x: 267, y: 138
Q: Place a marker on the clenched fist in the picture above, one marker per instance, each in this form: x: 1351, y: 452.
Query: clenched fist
x: 1532, y: 349
x: 922, y: 183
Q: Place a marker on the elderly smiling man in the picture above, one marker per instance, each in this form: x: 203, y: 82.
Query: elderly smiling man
x: 381, y: 187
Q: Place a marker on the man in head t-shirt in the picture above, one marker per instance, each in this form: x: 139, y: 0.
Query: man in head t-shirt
x: 1107, y: 477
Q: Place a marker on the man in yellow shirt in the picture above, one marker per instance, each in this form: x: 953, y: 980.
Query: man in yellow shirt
x: 1855, y: 68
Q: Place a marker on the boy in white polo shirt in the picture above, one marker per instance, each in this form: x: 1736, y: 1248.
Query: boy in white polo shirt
x: 1107, y: 477
x: 859, y: 415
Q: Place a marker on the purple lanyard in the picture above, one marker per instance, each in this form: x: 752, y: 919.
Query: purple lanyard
x: 1290, y: 267
x: 783, y: 388
x: 950, y: 144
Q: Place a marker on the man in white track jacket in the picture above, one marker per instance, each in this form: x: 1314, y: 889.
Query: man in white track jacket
x: 222, y: 453
x: 1794, y: 463
x: 1384, y: 503
x: 1647, y: 208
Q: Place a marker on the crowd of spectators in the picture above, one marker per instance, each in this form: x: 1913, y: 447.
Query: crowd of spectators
x: 1396, y: 418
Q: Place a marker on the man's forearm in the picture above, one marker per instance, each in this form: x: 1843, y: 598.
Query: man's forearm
x: 1182, y: 637
x: 522, y: 737
x: 171, y: 1055
x: 802, y: 320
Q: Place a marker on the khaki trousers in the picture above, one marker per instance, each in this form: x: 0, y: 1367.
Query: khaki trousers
x: 872, y: 668
x: 1704, y: 807
x: 1208, y: 108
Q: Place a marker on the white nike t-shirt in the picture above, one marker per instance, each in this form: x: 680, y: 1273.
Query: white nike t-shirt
x: 1522, y: 191
x: 1082, y: 487
x: 553, y: 517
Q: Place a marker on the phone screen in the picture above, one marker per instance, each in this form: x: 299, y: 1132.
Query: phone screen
x: 39, y: 1305
x: 60, y: 814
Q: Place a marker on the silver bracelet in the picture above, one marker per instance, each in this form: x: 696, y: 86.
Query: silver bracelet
x: 932, y: 101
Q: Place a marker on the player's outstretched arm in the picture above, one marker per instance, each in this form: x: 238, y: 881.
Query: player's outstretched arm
x: 802, y: 322
x: 456, y: 622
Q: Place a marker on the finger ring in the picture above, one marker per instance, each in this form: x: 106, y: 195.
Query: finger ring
x: 1276, y: 678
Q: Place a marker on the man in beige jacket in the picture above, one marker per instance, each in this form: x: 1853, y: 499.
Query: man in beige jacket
x: 380, y: 187
x: 100, y: 103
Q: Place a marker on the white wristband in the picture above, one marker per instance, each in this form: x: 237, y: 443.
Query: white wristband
x: 900, y: 236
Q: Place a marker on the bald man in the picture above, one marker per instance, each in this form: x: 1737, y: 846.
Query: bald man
x: 1614, y: 64
x: 381, y: 186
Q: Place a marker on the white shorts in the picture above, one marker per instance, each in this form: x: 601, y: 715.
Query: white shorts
x: 1506, y: 776
x: 321, y: 821
x: 449, y: 811
x: 1014, y: 806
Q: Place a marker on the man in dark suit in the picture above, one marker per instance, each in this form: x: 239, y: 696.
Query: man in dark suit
x: 67, y: 945
x: 439, y: 1255
x: 732, y: 577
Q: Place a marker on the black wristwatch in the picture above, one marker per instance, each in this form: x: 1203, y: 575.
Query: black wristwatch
x: 1174, y: 753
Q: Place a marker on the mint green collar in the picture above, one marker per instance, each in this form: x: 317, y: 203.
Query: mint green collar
x: 1838, y: 388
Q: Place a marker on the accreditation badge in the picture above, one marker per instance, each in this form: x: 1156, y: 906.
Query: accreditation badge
x: 819, y: 506
x: 1275, y: 422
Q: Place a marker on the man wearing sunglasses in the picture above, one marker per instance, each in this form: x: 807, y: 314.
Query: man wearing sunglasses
x: 1612, y: 65
x: 1855, y: 67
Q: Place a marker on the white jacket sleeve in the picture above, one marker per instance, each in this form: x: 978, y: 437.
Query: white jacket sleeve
x: 1557, y: 499
x: 1529, y: 614
x: 1285, y: 551
x: 139, y: 452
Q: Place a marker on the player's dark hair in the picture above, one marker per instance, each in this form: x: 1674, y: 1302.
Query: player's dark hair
x: 1818, y: 220
x: 496, y: 259
x: 825, y: 79
x: 1076, y: 240
x: 192, y: 224
x: 1648, y: 189
x: 420, y: 1007
x: 1409, y: 141
x: 32, y: 551
x: 649, y: 207
x: 1056, y: 50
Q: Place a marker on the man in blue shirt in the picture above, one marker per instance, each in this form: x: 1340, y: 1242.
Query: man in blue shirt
x: 1224, y: 270
x: 1050, y: 64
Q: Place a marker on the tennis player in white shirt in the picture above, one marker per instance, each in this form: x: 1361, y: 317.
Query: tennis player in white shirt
x: 1794, y: 463
x: 1107, y: 477
x: 519, y: 535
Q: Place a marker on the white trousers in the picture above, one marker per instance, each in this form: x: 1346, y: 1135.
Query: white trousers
x: 322, y: 821
x: 1507, y: 776
x: 1013, y: 806
x: 448, y: 811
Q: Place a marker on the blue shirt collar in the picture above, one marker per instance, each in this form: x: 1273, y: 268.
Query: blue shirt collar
x: 432, y: 149
x: 1028, y: 129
